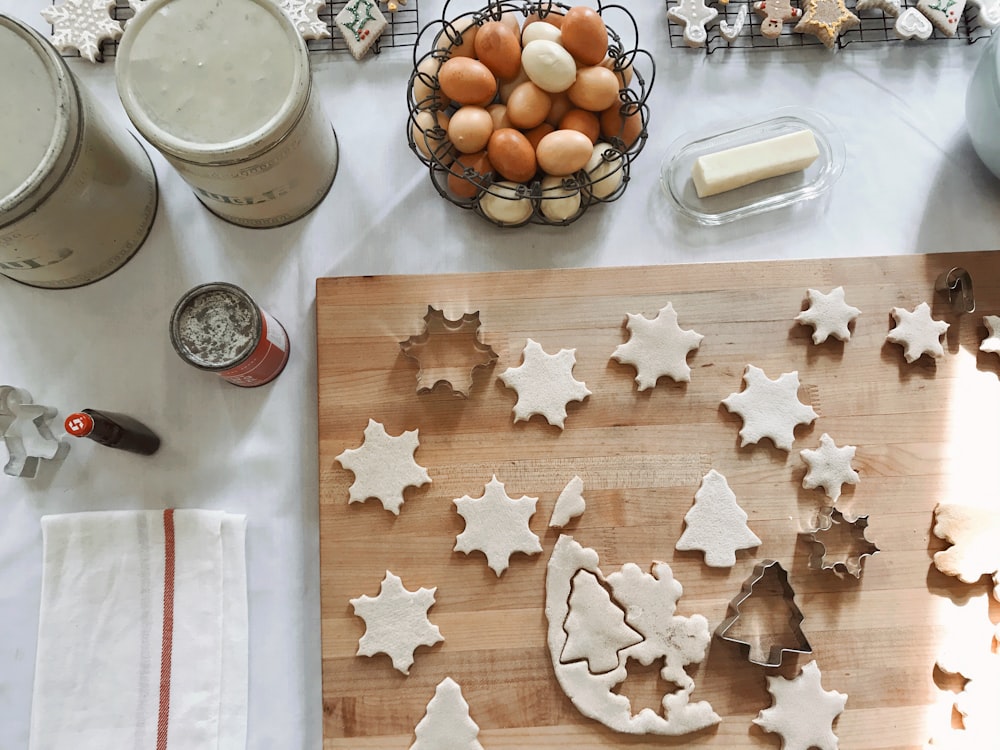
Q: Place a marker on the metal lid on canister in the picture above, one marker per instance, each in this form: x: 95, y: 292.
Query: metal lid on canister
x: 212, y: 82
x: 39, y: 122
x: 215, y: 326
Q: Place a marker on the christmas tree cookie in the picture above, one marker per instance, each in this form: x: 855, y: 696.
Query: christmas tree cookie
x: 715, y: 524
x: 447, y: 723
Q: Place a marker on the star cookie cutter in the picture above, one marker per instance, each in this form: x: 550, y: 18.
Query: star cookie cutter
x: 769, y: 574
x: 448, y: 351
x: 25, y: 431
x: 856, y: 540
x: 956, y: 285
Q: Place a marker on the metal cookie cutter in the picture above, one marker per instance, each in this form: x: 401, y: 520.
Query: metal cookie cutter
x: 849, y: 534
x: 956, y: 285
x: 770, y: 579
x: 448, y: 351
x: 25, y: 431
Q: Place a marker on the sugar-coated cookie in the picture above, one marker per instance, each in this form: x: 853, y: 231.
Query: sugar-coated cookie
x: 888, y: 7
x: 989, y: 13
x: 732, y: 30
x: 305, y: 15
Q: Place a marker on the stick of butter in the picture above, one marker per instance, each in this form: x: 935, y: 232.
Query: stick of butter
x: 743, y: 165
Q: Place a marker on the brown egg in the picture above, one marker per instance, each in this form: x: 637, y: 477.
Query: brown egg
x: 507, y: 86
x: 624, y: 75
x: 582, y: 121
x: 528, y: 106
x: 614, y: 124
x: 462, y: 185
x: 430, y: 134
x: 536, y: 134
x: 596, y: 89
x: 511, y: 155
x: 564, y: 152
x: 467, y: 81
x: 499, y: 49
x: 560, y: 106
x: 499, y: 114
x: 555, y: 17
x: 512, y: 21
x: 584, y: 35
x: 470, y: 128
x: 458, y: 37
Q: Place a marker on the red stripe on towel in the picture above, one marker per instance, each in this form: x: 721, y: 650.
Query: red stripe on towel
x: 167, y: 647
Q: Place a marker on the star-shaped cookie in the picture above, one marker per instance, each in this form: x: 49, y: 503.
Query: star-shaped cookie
x: 396, y: 622
x: 917, y: 332
x: 802, y: 712
x: 992, y: 341
x: 769, y: 408
x: 497, y: 526
x: 544, y: 384
x: 304, y: 14
x: 383, y: 466
x: 829, y: 467
x: 826, y: 20
x: 82, y: 25
x: 829, y: 315
x: 657, y: 347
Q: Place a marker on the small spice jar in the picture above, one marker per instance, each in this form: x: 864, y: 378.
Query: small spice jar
x: 223, y: 89
x: 77, y: 196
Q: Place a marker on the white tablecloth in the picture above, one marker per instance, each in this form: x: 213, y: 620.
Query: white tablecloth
x: 912, y: 184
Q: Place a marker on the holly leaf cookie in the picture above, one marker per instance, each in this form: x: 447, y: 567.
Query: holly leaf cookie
x: 917, y: 332
x: 829, y: 315
x: 544, y: 384
x: 497, y: 526
x: 769, y: 408
x: 802, y: 712
x: 657, y: 347
x: 829, y: 467
x: 82, y: 25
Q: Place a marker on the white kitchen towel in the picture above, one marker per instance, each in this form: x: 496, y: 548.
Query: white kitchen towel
x: 142, y: 633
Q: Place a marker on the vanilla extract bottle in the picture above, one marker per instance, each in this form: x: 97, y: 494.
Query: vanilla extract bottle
x: 113, y: 430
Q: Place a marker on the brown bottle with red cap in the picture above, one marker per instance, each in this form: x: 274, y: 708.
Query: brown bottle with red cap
x: 113, y: 430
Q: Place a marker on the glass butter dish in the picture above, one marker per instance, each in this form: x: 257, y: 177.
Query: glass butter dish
x: 758, y: 197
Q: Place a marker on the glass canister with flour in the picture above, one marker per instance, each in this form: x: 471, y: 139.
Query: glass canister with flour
x: 77, y: 195
x: 224, y: 90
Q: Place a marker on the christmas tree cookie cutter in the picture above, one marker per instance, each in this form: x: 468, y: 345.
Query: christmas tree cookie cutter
x: 832, y: 522
x: 25, y: 431
x: 956, y: 285
x: 448, y: 351
x: 766, y: 574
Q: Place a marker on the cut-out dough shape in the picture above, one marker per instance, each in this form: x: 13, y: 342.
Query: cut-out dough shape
x: 991, y: 343
x: 497, y: 526
x: 944, y: 15
x: 384, y: 467
x: 83, y: 26
x: 304, y: 14
x: 447, y: 723
x: 851, y: 540
x: 448, y: 351
x: 829, y: 315
x: 802, y: 712
x: 396, y: 622
x: 732, y: 30
x: 544, y: 384
x: 968, y: 635
x: 716, y: 524
x: 829, y: 467
x: 978, y: 703
x: 826, y: 20
x: 694, y: 16
x: 678, y: 640
x: 769, y: 408
x: 657, y: 347
x: 569, y: 505
x: 24, y: 429
x: 595, y: 626
x: 973, y: 533
x: 888, y: 7
x: 912, y: 24
x: 989, y: 13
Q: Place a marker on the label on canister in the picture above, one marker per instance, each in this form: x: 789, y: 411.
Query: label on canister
x: 218, y: 327
x: 243, y: 129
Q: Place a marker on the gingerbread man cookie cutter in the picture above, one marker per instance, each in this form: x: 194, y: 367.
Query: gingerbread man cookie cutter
x: 956, y: 285
x: 25, y: 431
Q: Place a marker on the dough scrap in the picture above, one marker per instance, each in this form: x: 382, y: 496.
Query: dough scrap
x: 657, y: 347
x: 829, y: 467
x: 396, y: 622
x: 769, y: 408
x: 802, y: 712
x: 716, y: 524
x: 968, y: 635
x: 544, y: 384
x: 829, y: 315
x: 383, y: 466
x: 447, y: 723
x: 569, y: 505
x: 973, y: 533
x: 595, y: 626
x: 82, y: 25
x: 991, y: 343
x: 917, y: 332
x: 497, y: 525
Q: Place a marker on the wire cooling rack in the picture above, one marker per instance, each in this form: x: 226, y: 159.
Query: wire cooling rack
x: 402, y: 31
x: 875, y: 27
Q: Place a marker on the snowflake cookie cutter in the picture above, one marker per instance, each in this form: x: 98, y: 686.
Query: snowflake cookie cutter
x: 956, y: 285
x: 25, y: 431
x: 856, y: 531
x: 448, y: 351
x: 773, y: 575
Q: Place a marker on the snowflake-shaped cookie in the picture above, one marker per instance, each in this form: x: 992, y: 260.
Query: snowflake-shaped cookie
x: 383, y: 466
x: 917, y: 332
x: 305, y: 15
x: 447, y: 723
x: 396, y: 622
x: 769, y: 408
x: 82, y: 25
x: 497, y: 526
x: 829, y: 467
x: 829, y: 315
x: 973, y: 533
x: 802, y: 712
x: 992, y: 342
x: 657, y: 347
x: 715, y: 524
x: 544, y: 384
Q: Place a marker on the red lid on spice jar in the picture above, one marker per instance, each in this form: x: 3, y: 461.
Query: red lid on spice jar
x: 79, y: 424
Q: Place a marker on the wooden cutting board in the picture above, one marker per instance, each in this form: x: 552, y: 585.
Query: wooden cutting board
x: 925, y: 433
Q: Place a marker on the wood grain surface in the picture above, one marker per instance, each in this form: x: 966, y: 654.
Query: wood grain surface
x: 925, y: 433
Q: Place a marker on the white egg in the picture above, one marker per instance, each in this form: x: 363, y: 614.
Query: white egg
x: 535, y: 31
x: 558, y: 203
x: 548, y: 65
x: 606, y: 176
x: 502, y: 204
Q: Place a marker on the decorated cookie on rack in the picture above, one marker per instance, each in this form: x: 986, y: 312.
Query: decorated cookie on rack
x: 83, y: 26
x: 826, y: 20
x: 989, y: 13
x: 912, y: 24
x: 943, y: 14
x: 694, y: 16
x: 732, y: 30
x: 917, y: 332
x: 305, y: 15
x: 889, y: 7
x: 361, y: 23
x: 775, y: 14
